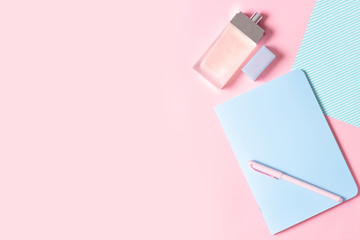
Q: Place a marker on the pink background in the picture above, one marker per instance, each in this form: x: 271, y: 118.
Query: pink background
x: 106, y: 132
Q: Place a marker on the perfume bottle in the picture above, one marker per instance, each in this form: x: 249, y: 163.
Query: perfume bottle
x: 230, y: 49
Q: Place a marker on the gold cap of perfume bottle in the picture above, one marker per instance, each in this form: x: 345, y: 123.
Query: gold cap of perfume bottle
x: 249, y: 25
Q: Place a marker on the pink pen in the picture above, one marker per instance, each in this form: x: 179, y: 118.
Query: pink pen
x: 280, y: 175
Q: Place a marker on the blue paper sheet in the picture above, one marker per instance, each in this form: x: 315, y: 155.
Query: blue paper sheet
x: 280, y: 124
x: 329, y: 55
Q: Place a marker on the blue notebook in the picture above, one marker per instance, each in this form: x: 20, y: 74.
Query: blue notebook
x: 329, y: 55
x: 280, y: 124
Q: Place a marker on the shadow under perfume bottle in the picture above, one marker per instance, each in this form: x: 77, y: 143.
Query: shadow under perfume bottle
x: 230, y: 49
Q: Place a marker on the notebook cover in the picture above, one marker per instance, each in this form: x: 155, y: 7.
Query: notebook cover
x: 280, y: 124
x: 329, y: 55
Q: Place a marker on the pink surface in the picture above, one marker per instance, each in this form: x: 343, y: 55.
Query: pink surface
x: 108, y: 133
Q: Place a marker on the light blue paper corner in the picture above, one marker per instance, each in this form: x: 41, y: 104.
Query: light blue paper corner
x: 329, y: 54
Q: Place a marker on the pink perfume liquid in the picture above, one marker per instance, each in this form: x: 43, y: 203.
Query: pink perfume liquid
x: 227, y: 53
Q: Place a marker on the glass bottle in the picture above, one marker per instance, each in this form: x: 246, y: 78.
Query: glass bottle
x: 230, y: 49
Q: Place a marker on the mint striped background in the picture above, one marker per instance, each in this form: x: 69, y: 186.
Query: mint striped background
x: 330, y: 56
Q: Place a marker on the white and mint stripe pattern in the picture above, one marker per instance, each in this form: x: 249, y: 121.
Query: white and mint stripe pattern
x: 330, y: 56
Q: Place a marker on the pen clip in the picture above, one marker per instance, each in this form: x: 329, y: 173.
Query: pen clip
x: 262, y: 172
